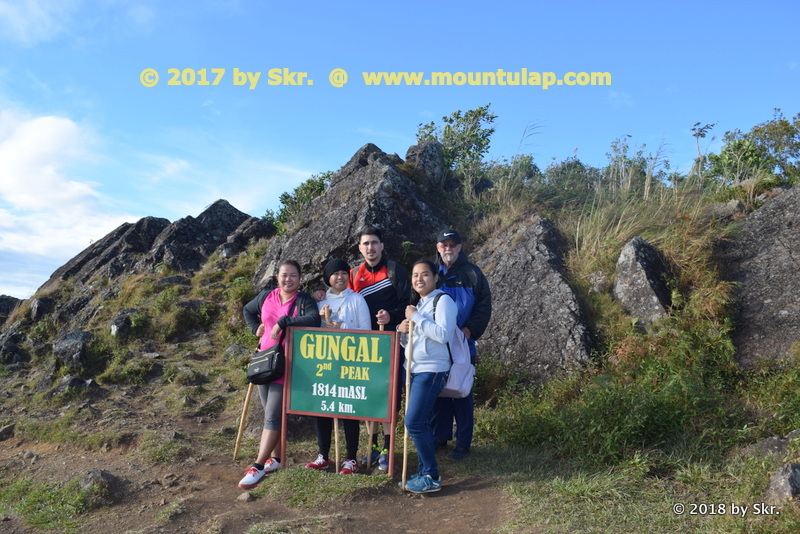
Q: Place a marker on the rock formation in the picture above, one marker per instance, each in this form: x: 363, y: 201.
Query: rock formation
x: 640, y: 282
x: 537, y: 325
x: 764, y: 257
x: 371, y: 189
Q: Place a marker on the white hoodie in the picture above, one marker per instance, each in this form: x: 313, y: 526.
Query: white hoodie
x: 349, y: 308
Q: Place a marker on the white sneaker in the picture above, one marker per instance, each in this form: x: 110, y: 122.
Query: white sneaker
x: 349, y: 467
x: 319, y: 463
x: 271, y: 466
x: 252, y: 477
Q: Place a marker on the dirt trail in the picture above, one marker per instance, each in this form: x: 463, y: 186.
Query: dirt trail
x: 208, y: 489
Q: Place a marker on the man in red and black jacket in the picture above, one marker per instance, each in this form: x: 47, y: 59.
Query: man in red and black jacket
x: 383, y: 283
x: 385, y: 286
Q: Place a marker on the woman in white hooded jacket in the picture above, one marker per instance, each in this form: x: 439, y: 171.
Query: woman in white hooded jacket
x: 341, y: 308
x: 434, y: 321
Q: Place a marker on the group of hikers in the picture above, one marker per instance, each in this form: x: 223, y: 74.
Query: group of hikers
x: 377, y: 295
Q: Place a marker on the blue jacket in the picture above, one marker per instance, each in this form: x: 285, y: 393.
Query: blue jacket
x: 468, y: 286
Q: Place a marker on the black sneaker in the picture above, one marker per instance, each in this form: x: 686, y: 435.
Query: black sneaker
x: 458, y: 453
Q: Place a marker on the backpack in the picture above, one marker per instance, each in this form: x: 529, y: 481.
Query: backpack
x: 462, y: 372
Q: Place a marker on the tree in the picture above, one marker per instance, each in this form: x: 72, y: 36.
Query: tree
x: 465, y: 139
x: 302, y: 195
x: 771, y: 148
x: 739, y: 160
x: 780, y: 140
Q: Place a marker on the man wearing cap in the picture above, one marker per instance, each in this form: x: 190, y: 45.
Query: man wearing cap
x: 468, y: 286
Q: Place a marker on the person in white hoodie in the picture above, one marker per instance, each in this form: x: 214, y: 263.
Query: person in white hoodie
x: 341, y: 308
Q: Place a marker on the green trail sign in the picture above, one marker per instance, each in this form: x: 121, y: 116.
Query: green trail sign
x: 350, y: 374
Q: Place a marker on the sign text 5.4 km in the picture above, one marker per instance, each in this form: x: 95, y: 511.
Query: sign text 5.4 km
x: 342, y: 373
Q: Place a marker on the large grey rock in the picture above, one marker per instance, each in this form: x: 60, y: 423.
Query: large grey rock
x: 370, y: 189
x: 426, y: 158
x: 537, y: 326
x: 784, y: 485
x: 725, y: 212
x: 71, y: 350
x: 640, y: 282
x: 7, y: 305
x: 764, y: 257
x: 41, y: 307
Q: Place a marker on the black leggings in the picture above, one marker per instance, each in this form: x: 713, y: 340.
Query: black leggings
x: 324, y: 429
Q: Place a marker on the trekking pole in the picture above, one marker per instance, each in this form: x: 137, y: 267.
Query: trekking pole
x: 336, y: 440
x: 371, y: 430
x: 242, y: 422
x: 408, y: 396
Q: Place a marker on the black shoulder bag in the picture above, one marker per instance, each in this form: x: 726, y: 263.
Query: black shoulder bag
x: 268, y: 365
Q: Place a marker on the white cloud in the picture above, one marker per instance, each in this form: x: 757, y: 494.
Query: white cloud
x: 29, y: 22
x: 33, y: 153
x: 42, y: 210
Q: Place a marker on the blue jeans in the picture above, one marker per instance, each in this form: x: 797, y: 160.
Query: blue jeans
x: 463, y: 410
x: 425, y: 389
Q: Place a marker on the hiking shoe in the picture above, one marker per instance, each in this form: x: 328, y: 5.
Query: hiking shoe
x: 373, y: 458
x: 271, y: 465
x: 319, y: 463
x: 458, y: 453
x: 349, y: 467
x: 424, y: 484
x: 413, y: 477
x: 383, y: 460
x: 252, y: 476
x: 439, y: 444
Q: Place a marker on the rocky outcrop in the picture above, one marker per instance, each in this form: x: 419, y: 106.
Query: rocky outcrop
x: 112, y: 254
x: 371, y: 189
x: 7, y: 305
x: 187, y: 243
x: 640, y: 282
x: 248, y: 232
x: 724, y: 212
x: 764, y: 257
x: 537, y: 326
x: 426, y: 159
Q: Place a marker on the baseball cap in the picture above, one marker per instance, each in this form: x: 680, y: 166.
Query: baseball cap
x: 449, y: 234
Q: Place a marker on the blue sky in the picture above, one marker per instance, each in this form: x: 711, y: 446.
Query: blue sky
x: 85, y: 146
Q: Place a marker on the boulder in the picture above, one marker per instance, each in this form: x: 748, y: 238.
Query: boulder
x: 725, y: 212
x: 371, y: 189
x: 537, y: 326
x: 426, y: 158
x: 71, y: 350
x: 7, y: 305
x: 41, y: 307
x: 783, y: 485
x: 762, y: 256
x: 640, y: 282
